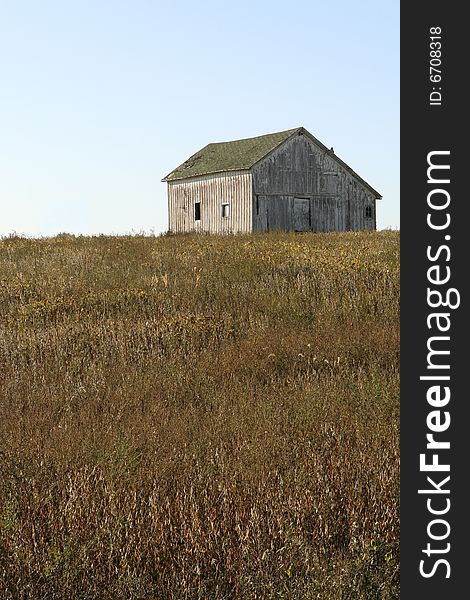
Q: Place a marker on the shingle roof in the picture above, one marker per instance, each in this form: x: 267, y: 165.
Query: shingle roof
x: 229, y: 156
x: 239, y: 155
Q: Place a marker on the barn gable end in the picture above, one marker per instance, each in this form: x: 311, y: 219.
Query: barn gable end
x: 303, y: 186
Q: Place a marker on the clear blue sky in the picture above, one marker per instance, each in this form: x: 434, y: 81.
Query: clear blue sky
x: 100, y: 99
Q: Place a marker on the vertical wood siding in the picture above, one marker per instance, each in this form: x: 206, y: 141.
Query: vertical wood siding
x: 232, y: 188
x: 299, y: 168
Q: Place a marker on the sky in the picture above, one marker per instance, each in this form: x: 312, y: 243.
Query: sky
x: 101, y: 99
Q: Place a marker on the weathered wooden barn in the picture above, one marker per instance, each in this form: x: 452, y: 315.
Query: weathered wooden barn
x: 286, y: 181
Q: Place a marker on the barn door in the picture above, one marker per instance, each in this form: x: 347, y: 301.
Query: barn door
x: 301, y: 214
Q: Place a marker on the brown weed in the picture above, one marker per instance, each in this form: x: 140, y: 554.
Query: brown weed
x: 200, y: 417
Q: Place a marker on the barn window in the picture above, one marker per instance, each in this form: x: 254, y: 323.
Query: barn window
x: 257, y: 204
x: 225, y: 210
x: 197, y: 211
x: 368, y: 212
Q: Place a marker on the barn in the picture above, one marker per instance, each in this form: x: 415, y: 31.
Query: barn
x: 285, y: 181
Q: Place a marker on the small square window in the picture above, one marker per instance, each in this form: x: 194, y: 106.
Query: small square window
x: 225, y: 210
x: 368, y: 212
x: 197, y: 211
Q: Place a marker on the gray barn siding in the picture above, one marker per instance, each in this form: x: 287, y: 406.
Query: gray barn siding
x: 234, y: 188
x: 300, y: 168
x: 290, y: 169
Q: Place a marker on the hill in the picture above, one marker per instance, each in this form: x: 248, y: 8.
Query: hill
x: 200, y: 417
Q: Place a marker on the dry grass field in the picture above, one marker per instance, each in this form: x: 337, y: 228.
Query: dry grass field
x: 198, y: 417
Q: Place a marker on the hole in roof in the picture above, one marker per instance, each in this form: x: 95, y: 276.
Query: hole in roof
x: 191, y: 162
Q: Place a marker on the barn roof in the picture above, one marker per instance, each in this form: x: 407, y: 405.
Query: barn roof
x: 229, y: 156
x: 239, y: 155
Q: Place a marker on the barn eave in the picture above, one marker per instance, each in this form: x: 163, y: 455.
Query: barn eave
x: 219, y: 172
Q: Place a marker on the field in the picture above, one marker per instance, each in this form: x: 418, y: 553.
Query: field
x: 198, y: 417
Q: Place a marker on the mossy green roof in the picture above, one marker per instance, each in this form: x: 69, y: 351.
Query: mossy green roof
x: 237, y: 155
x: 240, y: 155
